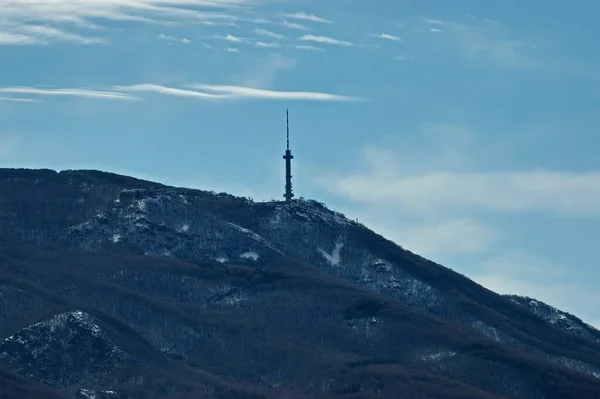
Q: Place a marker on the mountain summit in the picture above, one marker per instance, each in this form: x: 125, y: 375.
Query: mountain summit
x: 114, y: 287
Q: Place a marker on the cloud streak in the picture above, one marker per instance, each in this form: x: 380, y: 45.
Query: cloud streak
x: 267, y: 45
x: 41, y: 35
x: 293, y: 25
x: 308, y: 47
x: 85, y: 93
x: 249, y: 93
x: 82, y: 12
x: 173, y: 39
x: 385, y: 36
x: 20, y: 100
x: 45, y: 33
x: 228, y: 92
x: 326, y: 40
x: 171, y: 91
x: 306, y: 17
x: 11, y: 39
x: 432, y: 21
x: 267, y: 33
x: 229, y: 38
x: 43, y: 21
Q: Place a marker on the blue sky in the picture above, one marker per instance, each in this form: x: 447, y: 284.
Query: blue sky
x: 466, y: 131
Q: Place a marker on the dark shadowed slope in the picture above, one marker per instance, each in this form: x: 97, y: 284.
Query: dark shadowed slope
x: 182, y: 292
x: 14, y: 386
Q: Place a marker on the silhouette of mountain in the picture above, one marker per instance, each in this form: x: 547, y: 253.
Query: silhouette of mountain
x: 123, y: 288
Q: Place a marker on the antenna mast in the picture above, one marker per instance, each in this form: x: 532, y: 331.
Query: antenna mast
x: 288, y: 162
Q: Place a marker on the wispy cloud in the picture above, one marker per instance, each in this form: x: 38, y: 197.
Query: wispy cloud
x: 173, y: 39
x: 385, y: 36
x: 308, y: 47
x: 489, y: 43
x: 82, y: 12
x: 7, y: 144
x: 442, y: 238
x: 493, y: 43
x: 403, y: 58
x: 20, y: 100
x: 293, y: 25
x: 232, y: 50
x: 306, y: 17
x: 267, y: 33
x: 11, y: 39
x: 263, y: 73
x: 432, y: 21
x: 435, y: 30
x: 249, y: 93
x: 267, y: 45
x: 502, y: 191
x: 326, y: 40
x: 27, y: 22
x: 171, y: 91
x: 50, y: 33
x: 222, y: 92
x: 455, y: 212
x: 229, y: 38
x: 39, y: 34
x: 108, y: 95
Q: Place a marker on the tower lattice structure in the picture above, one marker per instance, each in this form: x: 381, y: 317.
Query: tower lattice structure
x: 288, y: 162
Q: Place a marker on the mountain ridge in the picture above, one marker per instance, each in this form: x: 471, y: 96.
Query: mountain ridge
x: 249, y: 256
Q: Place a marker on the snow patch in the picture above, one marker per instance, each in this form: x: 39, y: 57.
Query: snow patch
x: 487, y: 330
x: 221, y: 260
x: 87, y: 393
x: 183, y: 228
x: 437, y: 356
x: 364, y: 325
x: 249, y: 255
x: 334, y: 257
x: 116, y: 238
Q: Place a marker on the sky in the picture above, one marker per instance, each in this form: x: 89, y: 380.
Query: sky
x: 465, y: 131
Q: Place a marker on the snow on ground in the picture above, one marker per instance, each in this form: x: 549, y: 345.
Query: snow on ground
x: 334, y: 257
x: 183, y: 228
x: 249, y: 255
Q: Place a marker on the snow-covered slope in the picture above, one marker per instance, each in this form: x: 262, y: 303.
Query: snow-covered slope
x: 168, y: 224
x: 259, y: 292
x: 177, y: 222
x: 44, y: 351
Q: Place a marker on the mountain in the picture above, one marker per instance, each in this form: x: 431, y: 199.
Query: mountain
x: 123, y: 288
